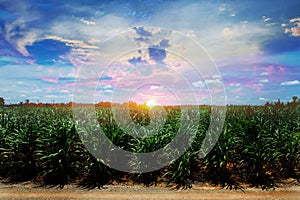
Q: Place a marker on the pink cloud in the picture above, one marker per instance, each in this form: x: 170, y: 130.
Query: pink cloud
x: 31, y: 62
x: 39, y: 68
x: 234, y: 84
x: 270, y: 69
x: 75, y: 70
x: 50, y: 70
x: 19, y: 62
x: 255, y: 68
x: 49, y: 79
x: 159, y: 98
x: 255, y: 85
x: 238, y: 91
x: 78, y: 61
x: 87, y: 84
x: 282, y: 69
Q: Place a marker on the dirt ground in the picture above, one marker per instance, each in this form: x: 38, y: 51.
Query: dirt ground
x: 26, y: 191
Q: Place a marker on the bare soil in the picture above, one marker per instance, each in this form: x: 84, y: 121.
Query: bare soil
x: 28, y: 190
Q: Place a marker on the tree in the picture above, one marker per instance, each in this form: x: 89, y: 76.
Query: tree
x: 267, y: 104
x: 294, y: 99
x: 2, y: 101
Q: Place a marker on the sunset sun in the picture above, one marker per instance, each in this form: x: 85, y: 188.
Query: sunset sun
x: 150, y: 103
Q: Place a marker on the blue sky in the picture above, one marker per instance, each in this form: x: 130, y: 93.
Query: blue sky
x: 48, y: 48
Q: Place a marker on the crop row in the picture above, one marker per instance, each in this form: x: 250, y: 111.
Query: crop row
x: 259, y: 146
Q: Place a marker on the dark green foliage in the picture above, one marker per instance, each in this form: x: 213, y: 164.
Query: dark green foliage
x: 96, y: 174
x: 259, y: 145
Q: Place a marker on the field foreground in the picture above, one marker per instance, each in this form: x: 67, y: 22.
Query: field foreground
x: 32, y: 191
x: 258, y: 146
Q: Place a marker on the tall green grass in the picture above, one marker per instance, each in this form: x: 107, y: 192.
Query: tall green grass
x: 259, y: 145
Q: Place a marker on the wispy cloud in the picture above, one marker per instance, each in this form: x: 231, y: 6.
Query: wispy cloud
x: 199, y: 84
x: 263, y: 99
x: 263, y: 74
x: 49, y: 79
x: 156, y: 87
x: 234, y: 35
x: 266, y: 19
x: 21, y: 41
x: 264, y: 81
x: 72, y: 42
x: 87, y: 22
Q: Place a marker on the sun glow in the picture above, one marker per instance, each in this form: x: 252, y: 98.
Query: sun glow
x: 150, y: 103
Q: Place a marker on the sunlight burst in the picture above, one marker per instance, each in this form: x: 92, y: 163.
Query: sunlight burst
x: 150, y: 103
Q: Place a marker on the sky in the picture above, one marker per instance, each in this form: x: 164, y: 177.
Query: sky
x: 159, y: 51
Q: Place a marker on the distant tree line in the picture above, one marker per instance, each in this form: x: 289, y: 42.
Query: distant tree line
x: 295, y: 101
x: 2, y: 101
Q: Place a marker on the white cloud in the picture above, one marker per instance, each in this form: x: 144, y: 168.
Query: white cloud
x: 213, y: 81
x: 264, y: 81
x: 202, y: 84
x: 222, y: 8
x: 65, y: 92
x: 297, y: 19
x: 191, y: 34
x: 87, y: 22
x: 108, y: 91
x: 263, y: 99
x: 51, y: 96
x: 72, y: 43
x: 156, y: 87
x: 208, y: 31
x: 295, y: 82
x: 228, y: 32
x: 295, y: 31
x: 234, y: 85
x: 16, y: 31
x: 105, y: 27
x: 20, y: 42
x: 271, y: 24
x: 199, y: 84
x: 263, y: 74
x: 107, y: 86
x: 287, y: 30
x: 268, y: 21
x: 216, y: 76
